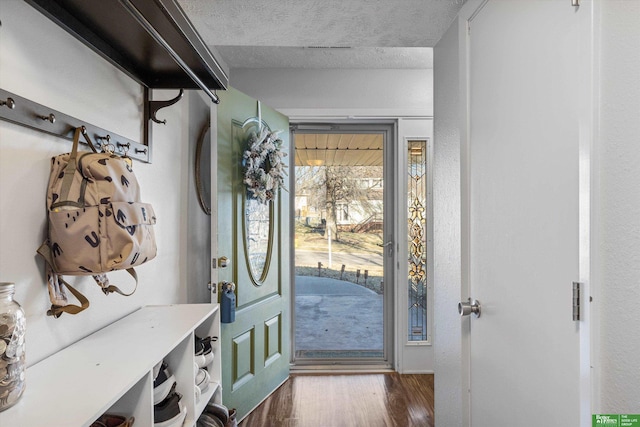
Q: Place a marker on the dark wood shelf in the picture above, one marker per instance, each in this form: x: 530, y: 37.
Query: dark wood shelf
x: 111, y: 29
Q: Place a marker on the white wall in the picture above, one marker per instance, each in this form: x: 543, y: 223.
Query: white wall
x: 354, y: 92
x: 405, y: 96
x: 42, y: 62
x: 619, y: 145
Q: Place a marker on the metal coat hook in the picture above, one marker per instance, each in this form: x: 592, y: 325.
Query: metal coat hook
x: 123, y: 147
x: 103, y: 138
x: 104, y: 143
x: 51, y: 118
x: 10, y: 103
x: 154, y: 106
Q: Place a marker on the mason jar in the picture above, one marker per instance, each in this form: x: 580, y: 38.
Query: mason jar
x: 12, y: 357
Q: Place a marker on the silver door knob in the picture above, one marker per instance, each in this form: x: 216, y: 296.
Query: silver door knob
x: 468, y: 307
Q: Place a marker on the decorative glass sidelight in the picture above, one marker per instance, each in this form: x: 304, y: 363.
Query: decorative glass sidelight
x: 417, y: 227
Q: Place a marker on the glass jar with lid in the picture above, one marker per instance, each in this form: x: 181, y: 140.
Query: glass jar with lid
x: 12, y: 347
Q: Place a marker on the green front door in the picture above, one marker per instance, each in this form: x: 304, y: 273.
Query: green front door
x: 255, y: 238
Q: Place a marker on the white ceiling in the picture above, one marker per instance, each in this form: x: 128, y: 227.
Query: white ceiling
x: 343, y: 33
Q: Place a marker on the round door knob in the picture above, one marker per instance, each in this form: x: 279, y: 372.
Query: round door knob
x: 468, y: 307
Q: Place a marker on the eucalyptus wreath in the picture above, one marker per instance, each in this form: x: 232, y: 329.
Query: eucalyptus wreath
x: 264, y: 166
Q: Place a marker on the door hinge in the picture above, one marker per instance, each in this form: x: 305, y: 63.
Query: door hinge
x: 575, y: 3
x: 576, y: 300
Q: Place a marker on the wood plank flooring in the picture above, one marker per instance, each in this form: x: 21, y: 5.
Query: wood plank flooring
x: 371, y: 400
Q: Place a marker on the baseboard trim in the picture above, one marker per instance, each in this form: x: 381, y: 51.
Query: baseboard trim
x: 418, y: 372
x: 343, y: 369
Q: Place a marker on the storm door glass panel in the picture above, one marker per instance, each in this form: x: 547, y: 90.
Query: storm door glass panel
x: 417, y: 214
x: 340, y: 248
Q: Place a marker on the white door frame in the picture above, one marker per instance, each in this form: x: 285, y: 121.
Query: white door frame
x: 213, y: 122
x: 406, y: 359
x: 588, y: 208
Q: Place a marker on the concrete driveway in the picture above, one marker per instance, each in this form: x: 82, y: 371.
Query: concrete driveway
x: 336, y: 315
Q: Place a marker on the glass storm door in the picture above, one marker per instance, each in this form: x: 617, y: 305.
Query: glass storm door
x: 343, y: 245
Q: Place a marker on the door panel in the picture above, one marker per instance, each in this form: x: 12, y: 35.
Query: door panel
x: 255, y: 348
x: 524, y: 211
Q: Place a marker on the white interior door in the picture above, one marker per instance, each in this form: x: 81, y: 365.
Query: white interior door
x: 524, y: 232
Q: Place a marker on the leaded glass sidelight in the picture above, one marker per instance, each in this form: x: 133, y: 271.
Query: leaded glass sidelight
x: 417, y: 199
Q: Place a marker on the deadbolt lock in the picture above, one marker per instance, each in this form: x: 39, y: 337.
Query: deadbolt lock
x: 221, y: 262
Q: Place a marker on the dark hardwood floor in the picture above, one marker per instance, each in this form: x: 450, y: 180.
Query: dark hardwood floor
x: 371, y: 400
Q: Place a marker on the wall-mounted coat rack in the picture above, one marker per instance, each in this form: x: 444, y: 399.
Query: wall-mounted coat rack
x: 151, y: 41
x: 24, y: 112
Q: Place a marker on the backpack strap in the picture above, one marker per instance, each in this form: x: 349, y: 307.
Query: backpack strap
x: 57, y: 310
x: 103, y: 281
x: 57, y: 295
x: 70, y: 169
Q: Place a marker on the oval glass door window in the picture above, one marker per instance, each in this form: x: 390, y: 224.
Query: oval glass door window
x: 258, y: 237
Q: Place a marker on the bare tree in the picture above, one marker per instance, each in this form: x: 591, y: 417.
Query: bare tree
x: 332, y: 186
x: 309, y: 179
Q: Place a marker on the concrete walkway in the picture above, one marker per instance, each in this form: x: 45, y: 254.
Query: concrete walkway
x: 337, y: 315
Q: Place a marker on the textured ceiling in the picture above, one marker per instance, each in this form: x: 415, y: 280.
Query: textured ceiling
x: 271, y: 33
x: 304, y: 57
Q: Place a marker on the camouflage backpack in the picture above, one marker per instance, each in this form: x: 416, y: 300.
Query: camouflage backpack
x: 96, y: 223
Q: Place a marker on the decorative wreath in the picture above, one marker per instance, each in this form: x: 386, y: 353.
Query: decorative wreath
x: 264, y: 169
